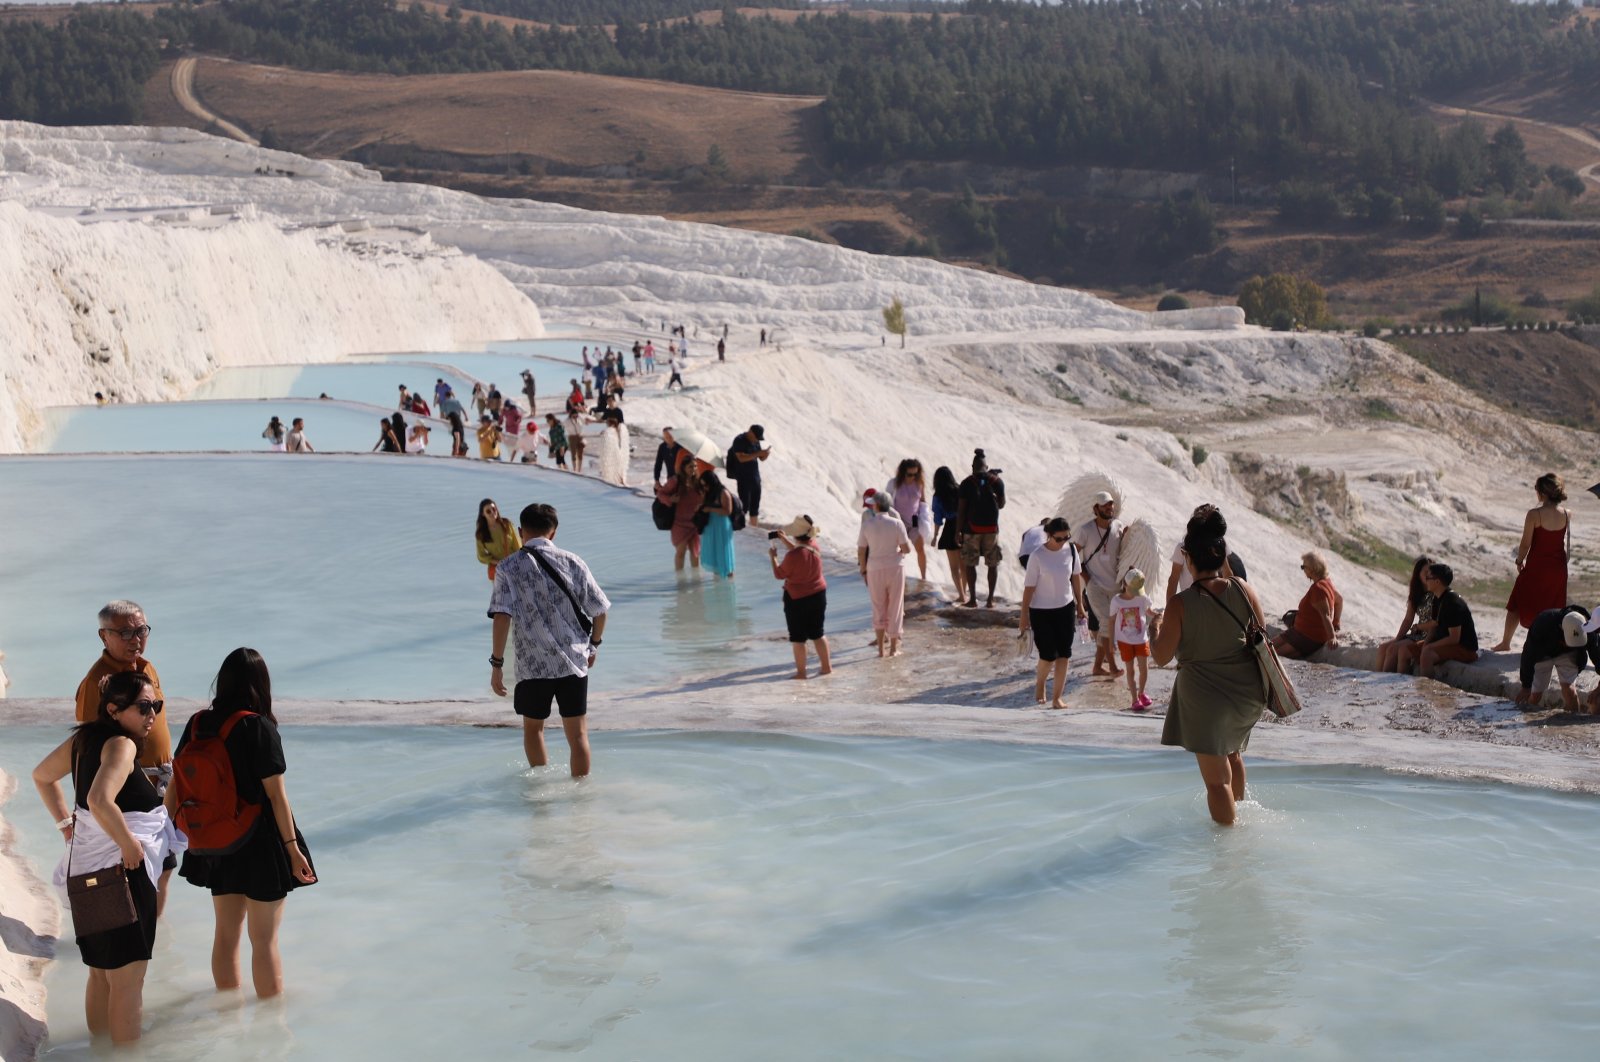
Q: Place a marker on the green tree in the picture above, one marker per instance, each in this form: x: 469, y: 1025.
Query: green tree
x: 894, y: 320
x: 1283, y: 297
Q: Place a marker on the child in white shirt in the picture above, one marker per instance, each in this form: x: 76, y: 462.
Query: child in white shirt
x: 528, y: 441
x: 1130, y: 622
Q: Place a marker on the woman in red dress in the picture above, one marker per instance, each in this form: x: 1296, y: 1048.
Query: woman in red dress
x: 1541, y: 558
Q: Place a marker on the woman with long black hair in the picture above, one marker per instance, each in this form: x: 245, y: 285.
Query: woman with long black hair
x: 248, y: 885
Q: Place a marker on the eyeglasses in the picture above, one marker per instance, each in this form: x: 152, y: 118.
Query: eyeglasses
x: 148, y: 707
x: 128, y: 634
x: 1060, y: 538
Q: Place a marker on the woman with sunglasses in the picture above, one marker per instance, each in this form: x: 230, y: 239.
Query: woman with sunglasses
x: 1052, y: 606
x: 248, y: 885
x: 116, y: 819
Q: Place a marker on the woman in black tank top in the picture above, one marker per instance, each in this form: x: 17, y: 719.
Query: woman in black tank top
x: 101, y: 756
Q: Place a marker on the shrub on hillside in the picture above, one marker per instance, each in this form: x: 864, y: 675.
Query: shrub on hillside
x: 1305, y: 203
x: 1172, y: 302
x: 1425, y: 210
x: 1302, y: 301
x: 1588, y: 306
x: 1372, y: 329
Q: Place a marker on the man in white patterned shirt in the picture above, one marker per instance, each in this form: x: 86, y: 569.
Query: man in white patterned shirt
x: 547, y: 596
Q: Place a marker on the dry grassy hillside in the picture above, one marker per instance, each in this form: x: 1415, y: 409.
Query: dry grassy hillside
x: 572, y: 120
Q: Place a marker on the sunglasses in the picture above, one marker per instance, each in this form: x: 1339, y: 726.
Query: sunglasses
x: 128, y: 634
x: 1060, y: 538
x: 148, y: 707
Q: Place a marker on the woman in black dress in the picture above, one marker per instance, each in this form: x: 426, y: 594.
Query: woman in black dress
x: 249, y: 884
x: 116, y: 817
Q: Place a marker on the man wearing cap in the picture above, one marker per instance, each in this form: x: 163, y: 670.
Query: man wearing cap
x: 744, y: 465
x: 531, y: 389
x: 1558, y: 641
x: 1100, y: 541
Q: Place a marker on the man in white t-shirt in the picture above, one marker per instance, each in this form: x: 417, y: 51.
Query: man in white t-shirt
x: 1052, y: 605
x: 1100, y: 542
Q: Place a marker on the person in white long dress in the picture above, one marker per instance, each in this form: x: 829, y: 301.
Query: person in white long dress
x: 612, y: 449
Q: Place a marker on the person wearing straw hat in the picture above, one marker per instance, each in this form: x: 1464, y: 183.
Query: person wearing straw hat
x: 805, y: 590
x: 1558, y: 640
x: 1100, y: 540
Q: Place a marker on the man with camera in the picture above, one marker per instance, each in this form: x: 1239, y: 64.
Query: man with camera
x: 981, y: 497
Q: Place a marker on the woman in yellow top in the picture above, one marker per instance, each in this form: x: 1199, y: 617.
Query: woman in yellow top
x: 496, y: 536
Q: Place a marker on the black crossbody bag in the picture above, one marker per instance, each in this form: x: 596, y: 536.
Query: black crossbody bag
x: 549, y: 569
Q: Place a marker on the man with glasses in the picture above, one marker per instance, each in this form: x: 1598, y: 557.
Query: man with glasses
x: 125, y: 635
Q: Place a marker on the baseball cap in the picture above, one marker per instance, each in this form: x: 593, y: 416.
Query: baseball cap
x: 758, y: 431
x: 1574, y: 630
x: 866, y: 496
x: 1103, y: 498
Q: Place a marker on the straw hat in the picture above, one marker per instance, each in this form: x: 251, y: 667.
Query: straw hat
x: 801, y: 527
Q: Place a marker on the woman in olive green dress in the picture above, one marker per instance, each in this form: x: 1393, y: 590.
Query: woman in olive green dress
x: 1219, y: 693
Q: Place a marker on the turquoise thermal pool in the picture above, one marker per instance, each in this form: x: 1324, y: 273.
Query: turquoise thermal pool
x: 762, y: 896
x: 355, y: 577
x: 201, y: 427
x: 373, y: 382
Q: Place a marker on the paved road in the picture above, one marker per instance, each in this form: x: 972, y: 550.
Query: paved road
x: 183, y: 91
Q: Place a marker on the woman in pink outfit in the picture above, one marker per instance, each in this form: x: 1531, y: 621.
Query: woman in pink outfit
x: 880, y: 550
x: 909, y: 490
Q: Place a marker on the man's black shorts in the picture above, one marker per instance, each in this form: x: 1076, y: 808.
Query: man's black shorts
x: 532, y: 697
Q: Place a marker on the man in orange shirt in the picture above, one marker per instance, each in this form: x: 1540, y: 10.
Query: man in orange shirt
x: 124, y: 633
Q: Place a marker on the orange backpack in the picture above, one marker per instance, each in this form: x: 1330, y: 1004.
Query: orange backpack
x: 210, y: 811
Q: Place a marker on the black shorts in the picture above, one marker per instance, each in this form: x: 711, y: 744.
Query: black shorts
x: 116, y: 948
x: 1053, y: 630
x: 804, y: 616
x: 532, y: 697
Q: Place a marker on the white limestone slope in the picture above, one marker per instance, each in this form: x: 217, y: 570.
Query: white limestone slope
x: 142, y: 310
x: 576, y: 264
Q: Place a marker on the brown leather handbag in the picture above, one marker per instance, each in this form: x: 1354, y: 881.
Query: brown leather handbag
x: 101, y: 899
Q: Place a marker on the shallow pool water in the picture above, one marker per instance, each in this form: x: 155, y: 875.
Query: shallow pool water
x: 761, y: 896
x: 374, y: 382
x: 552, y: 379
x: 190, y: 427
x: 356, y: 577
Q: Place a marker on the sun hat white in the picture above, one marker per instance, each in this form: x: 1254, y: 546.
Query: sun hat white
x: 800, y: 527
x: 1573, y: 630
x: 1133, y: 579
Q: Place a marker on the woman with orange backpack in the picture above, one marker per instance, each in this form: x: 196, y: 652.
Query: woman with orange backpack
x: 228, y: 794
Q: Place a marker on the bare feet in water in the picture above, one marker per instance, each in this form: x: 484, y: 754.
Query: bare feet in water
x: 1057, y: 703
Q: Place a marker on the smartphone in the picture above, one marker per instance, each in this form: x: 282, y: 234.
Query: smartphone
x: 772, y: 535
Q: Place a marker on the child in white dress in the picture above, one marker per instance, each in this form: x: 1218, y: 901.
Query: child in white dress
x: 1130, y: 621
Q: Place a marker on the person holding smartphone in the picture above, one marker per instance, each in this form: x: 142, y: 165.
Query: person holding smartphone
x: 805, y: 591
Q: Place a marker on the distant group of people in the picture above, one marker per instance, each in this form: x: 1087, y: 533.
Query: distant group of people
x: 125, y: 815
x: 291, y: 440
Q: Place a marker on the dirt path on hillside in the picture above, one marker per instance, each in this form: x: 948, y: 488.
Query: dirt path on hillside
x: 183, y: 92
x: 1575, y: 133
